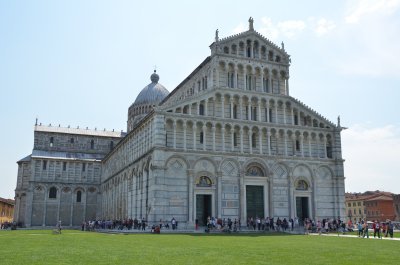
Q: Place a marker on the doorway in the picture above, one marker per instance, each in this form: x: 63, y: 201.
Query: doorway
x: 302, y: 209
x: 255, y: 201
x: 203, y: 208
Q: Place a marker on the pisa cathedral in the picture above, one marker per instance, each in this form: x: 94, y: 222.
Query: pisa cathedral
x: 229, y: 141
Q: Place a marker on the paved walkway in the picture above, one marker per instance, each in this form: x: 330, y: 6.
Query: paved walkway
x: 353, y: 236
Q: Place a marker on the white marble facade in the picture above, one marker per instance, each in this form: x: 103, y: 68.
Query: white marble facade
x: 229, y: 142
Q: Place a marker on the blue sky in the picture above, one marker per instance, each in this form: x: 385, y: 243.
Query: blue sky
x: 82, y: 63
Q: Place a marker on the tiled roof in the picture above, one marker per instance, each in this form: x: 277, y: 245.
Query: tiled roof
x: 66, y: 155
x: 45, y: 128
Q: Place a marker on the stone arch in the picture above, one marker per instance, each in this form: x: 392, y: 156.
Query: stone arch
x: 205, y: 164
x: 302, y: 170
x: 177, y: 157
x: 257, y: 162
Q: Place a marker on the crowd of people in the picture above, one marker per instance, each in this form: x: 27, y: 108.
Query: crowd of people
x: 8, y: 225
x: 128, y: 224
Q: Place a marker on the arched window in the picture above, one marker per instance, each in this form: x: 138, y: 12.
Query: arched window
x: 253, y: 140
x: 201, y: 109
x: 234, y: 111
x: 79, y: 196
x: 92, y: 144
x: 297, y: 145
x: 201, y: 137
x: 51, y: 141
x: 234, y: 139
x: 53, y: 193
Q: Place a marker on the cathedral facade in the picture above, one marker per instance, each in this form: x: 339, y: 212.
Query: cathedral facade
x: 229, y: 141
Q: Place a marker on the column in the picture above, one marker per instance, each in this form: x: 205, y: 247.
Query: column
x: 223, y: 137
x: 46, y: 194
x: 231, y: 110
x: 242, y: 198
x: 260, y: 139
x: 206, y: 107
x: 223, y: 106
x: 270, y: 85
x: 250, y: 141
x: 235, y: 83
x: 232, y: 139
x: 276, y: 112
x: 213, y: 136
x: 204, y: 137
x: 325, y: 153
x: 217, y: 76
x: 284, y: 113
x: 241, y: 108
x: 262, y: 80
x: 292, y: 113
x: 174, y: 126
x: 184, y: 135
x: 287, y: 86
x: 219, y: 194
x: 309, y: 145
x: 190, y: 189
x: 259, y: 110
x: 285, y: 139
x: 302, y: 144
x: 241, y: 139
x: 267, y: 108
x: 194, y: 135
x: 269, y: 141
x: 190, y: 108
x: 249, y: 111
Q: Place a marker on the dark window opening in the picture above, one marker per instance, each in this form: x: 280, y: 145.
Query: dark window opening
x: 44, y: 165
x: 111, y: 145
x: 296, y: 120
x: 201, y: 137
x: 79, y: 196
x: 297, y: 145
x: 64, y: 166
x: 234, y: 139
x: 201, y: 109
x: 253, y: 140
x: 53, y: 193
x: 91, y: 144
x: 83, y: 167
x: 72, y: 140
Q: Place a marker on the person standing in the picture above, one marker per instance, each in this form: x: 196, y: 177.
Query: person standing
x: 390, y: 229
x: 377, y: 229
x: 365, y: 228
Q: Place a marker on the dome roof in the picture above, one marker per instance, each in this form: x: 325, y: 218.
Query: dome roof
x: 153, y: 93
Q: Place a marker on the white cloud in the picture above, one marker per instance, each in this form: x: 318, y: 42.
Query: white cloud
x: 372, y: 155
x: 291, y: 28
x: 323, y: 26
x: 363, y: 8
x: 240, y: 28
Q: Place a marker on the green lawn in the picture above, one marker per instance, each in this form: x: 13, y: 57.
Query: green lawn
x: 75, y: 247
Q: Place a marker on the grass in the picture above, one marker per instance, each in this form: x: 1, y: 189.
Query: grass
x: 75, y: 247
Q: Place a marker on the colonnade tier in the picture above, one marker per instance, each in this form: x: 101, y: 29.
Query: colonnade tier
x: 212, y: 135
x: 256, y: 107
x: 252, y: 48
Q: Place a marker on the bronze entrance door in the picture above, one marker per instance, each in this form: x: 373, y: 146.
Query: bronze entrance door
x: 203, y: 208
x: 255, y: 201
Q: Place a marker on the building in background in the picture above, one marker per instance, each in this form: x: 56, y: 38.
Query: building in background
x: 371, y: 205
x: 229, y: 141
x: 396, y: 206
x: 6, y: 210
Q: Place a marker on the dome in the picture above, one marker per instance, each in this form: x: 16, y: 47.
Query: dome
x: 153, y: 93
x: 150, y: 96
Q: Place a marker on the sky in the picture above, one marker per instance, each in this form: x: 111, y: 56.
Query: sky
x: 82, y: 63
